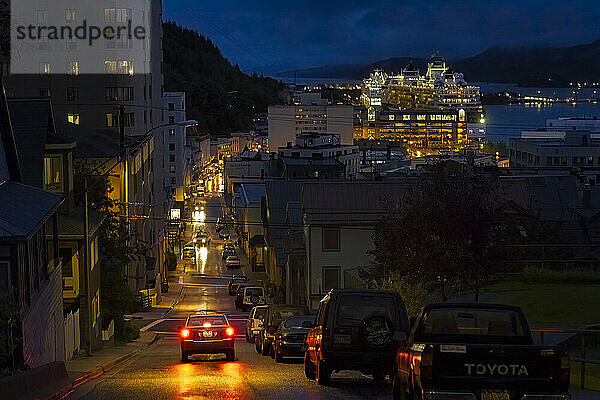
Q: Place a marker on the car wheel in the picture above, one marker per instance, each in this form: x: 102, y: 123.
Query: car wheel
x: 398, y: 391
x: 323, y: 373
x: 230, y: 355
x: 184, y: 356
x: 257, y: 345
x: 309, y: 368
x: 278, y: 356
x: 264, y: 348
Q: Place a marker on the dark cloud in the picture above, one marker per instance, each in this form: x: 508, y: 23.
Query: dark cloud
x: 317, y: 32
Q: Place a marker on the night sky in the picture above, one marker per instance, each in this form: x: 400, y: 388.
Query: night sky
x: 280, y: 35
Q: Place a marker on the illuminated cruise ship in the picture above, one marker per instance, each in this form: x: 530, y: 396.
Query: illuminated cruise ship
x: 434, y: 112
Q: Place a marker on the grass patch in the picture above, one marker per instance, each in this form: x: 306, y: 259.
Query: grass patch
x: 592, y: 376
x: 544, y: 275
x: 562, y: 305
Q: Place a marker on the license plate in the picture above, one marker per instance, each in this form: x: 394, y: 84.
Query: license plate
x: 342, y: 339
x: 207, y: 334
x: 495, y: 396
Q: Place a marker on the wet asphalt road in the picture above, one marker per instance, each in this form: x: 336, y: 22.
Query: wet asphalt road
x: 157, y: 372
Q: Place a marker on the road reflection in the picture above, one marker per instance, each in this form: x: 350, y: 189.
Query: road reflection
x: 197, y: 380
x: 203, y: 258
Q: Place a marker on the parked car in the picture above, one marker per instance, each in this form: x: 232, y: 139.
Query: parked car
x: 249, y: 297
x: 255, y: 322
x: 355, y: 329
x: 482, y: 351
x: 207, y: 333
x: 290, y: 337
x: 276, y: 314
x: 235, y: 282
x: 229, y: 245
x: 224, y: 234
x: 227, y: 252
x: 239, y: 295
x: 233, y: 262
x: 219, y: 225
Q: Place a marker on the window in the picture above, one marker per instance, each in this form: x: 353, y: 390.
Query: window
x: 73, y: 94
x: 45, y: 92
x: 172, y: 181
x: 171, y: 106
x: 118, y: 15
x: 73, y: 68
x: 53, y: 173
x: 121, y: 67
x: 112, y: 120
x: 171, y: 120
x: 118, y: 93
x: 172, y: 168
x: 331, y: 239
x: 4, y: 276
x: 172, y: 158
x: 172, y: 131
x: 42, y: 16
x: 172, y: 146
x: 331, y: 278
x: 73, y: 118
x: 70, y: 16
x: 45, y: 68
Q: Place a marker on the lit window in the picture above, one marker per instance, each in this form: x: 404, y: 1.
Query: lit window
x: 72, y: 94
x: 70, y: 16
x: 172, y: 131
x: 45, y: 68
x: 73, y: 118
x: 53, y: 173
x: 44, y: 92
x: 172, y: 168
x: 73, y: 68
x: 121, y: 67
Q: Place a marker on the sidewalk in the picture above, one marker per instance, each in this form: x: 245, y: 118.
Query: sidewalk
x: 81, y: 370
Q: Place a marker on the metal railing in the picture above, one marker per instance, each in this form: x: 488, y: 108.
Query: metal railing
x: 583, y: 346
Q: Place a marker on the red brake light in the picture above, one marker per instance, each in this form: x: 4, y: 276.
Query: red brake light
x: 229, y: 331
x: 207, y: 325
x: 185, y: 333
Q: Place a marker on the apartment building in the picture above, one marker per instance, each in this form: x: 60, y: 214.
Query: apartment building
x: 174, y: 143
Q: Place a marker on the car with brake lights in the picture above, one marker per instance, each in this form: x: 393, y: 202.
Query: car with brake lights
x: 202, y: 239
x: 207, y: 333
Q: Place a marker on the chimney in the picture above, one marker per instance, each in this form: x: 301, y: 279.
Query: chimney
x: 587, y: 196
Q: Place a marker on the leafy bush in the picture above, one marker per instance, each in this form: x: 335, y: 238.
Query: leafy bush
x: 546, y: 275
x: 414, y: 294
x: 128, y: 332
x: 171, y: 259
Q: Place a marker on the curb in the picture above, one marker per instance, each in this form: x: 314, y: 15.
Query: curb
x: 100, y: 370
x: 177, y: 300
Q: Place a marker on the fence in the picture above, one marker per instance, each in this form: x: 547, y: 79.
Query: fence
x: 72, y: 334
x: 147, y: 299
x: 584, y: 351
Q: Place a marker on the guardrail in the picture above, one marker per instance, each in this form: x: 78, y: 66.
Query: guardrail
x: 583, y: 345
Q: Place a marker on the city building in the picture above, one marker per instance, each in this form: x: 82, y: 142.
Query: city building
x: 174, y: 141
x: 247, y: 167
x: 308, y: 112
x: 30, y: 267
x: 339, y: 220
x: 571, y: 149
x: 314, y: 146
x: 247, y: 205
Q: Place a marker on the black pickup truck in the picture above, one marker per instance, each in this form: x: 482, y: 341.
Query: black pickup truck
x: 478, y: 352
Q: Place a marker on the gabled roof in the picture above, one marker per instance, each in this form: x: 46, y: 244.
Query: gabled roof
x: 24, y: 209
x: 351, y: 202
x: 32, y: 120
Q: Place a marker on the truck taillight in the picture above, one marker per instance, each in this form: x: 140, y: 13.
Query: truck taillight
x: 565, y: 371
x: 427, y: 365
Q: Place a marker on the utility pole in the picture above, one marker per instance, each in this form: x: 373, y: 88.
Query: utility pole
x: 86, y: 271
x: 122, y: 126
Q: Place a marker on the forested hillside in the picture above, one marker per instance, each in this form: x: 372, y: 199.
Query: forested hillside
x: 219, y: 96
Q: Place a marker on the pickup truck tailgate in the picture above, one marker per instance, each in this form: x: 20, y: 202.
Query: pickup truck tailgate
x: 497, y: 367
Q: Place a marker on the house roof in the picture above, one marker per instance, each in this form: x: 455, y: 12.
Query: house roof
x: 32, y: 120
x: 252, y: 192
x: 349, y: 202
x: 73, y: 225
x: 93, y: 143
x: 24, y: 208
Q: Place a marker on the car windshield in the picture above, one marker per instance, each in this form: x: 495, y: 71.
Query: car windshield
x: 299, y: 322
x: 280, y: 314
x: 211, y: 319
x: 254, y: 292
x: 355, y: 308
x: 473, y: 322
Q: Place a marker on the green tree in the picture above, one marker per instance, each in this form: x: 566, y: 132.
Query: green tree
x: 444, y: 234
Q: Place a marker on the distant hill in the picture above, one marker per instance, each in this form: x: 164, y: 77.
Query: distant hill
x: 526, y: 66
x: 219, y: 96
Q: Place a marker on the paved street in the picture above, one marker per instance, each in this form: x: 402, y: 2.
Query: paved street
x: 157, y: 372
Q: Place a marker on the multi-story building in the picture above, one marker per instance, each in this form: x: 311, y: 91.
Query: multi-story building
x: 174, y: 143
x: 309, y: 113
x: 320, y: 146
x: 576, y: 149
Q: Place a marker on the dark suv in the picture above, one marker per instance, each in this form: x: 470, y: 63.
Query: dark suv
x: 355, y: 329
x: 276, y: 314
